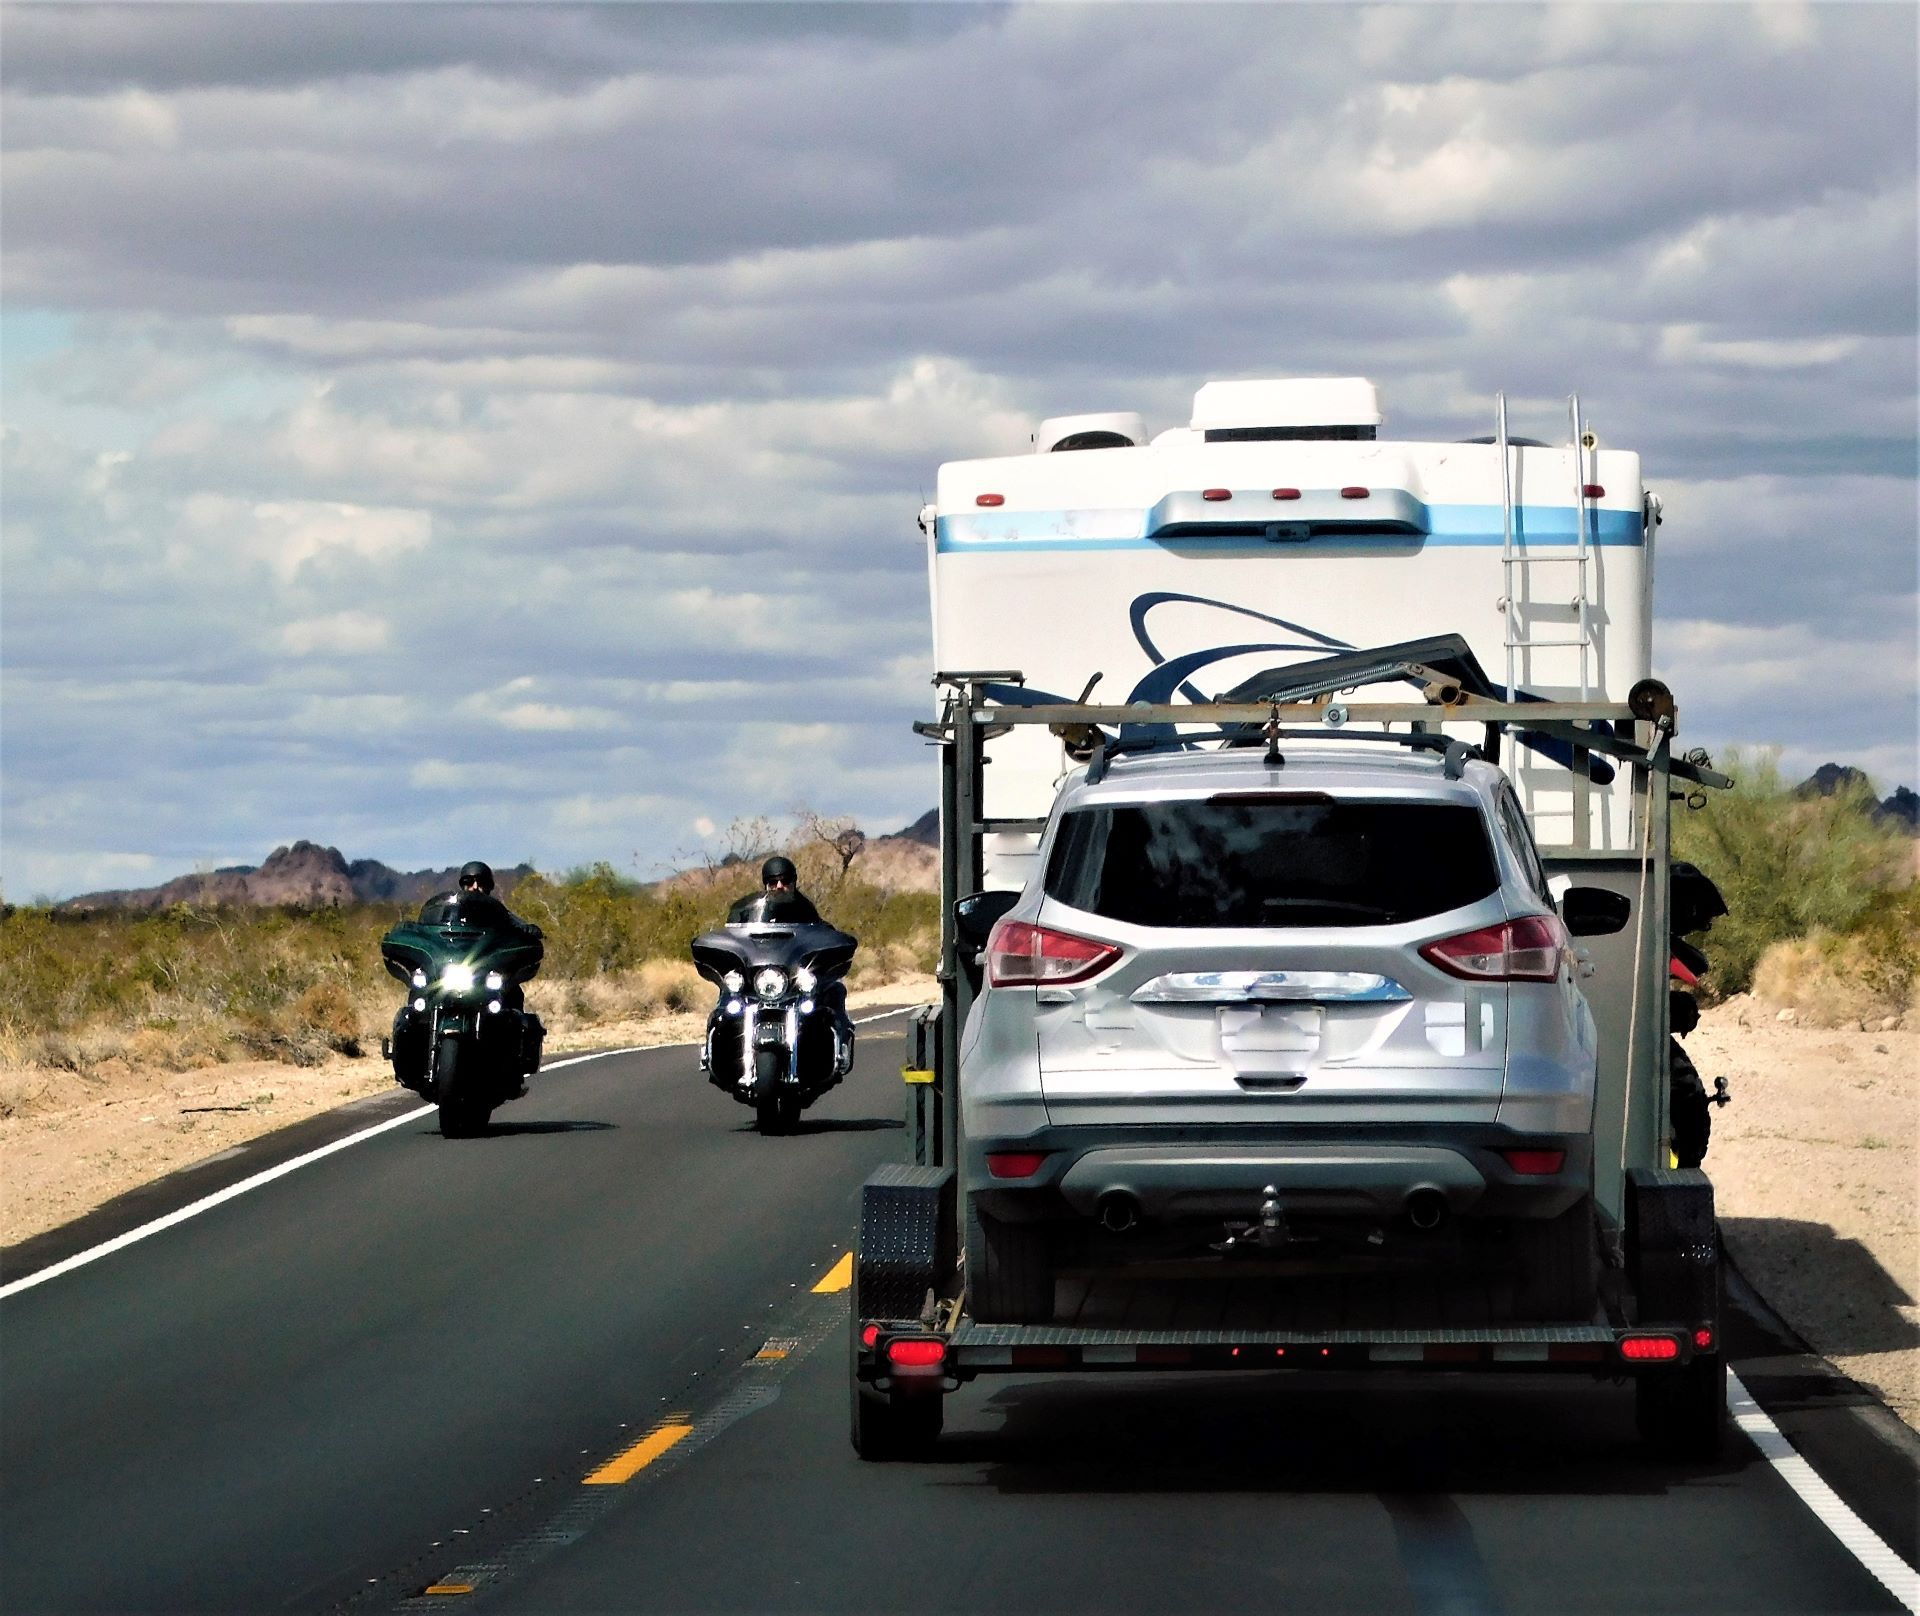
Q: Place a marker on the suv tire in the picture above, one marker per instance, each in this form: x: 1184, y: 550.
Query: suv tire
x: 1009, y: 1270
x: 1557, y: 1260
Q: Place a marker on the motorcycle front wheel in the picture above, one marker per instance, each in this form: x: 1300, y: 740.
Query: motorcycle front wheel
x: 462, y: 1114
x: 776, y: 1110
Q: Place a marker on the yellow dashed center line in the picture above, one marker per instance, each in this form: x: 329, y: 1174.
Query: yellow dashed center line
x: 838, y: 1277
x: 450, y: 1588
x: 636, y: 1459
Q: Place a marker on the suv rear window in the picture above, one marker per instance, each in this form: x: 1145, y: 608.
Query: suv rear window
x: 1273, y: 861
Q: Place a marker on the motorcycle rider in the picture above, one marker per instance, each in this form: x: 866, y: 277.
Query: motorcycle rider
x: 781, y: 902
x: 779, y: 898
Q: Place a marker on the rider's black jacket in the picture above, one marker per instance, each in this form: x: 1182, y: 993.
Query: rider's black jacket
x: 789, y: 908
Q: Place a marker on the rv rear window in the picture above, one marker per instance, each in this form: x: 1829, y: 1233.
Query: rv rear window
x: 1244, y: 862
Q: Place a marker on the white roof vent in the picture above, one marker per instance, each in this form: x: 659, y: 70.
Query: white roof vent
x: 1306, y: 407
x: 1117, y: 429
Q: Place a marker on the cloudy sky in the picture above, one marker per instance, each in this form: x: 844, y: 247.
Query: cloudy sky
x: 444, y: 431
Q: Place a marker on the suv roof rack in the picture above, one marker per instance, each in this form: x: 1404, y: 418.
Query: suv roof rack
x: 1456, y: 753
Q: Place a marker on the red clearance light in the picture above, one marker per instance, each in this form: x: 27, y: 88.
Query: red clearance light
x: 1015, y: 1163
x: 870, y: 1335
x: 990, y: 499
x: 1217, y: 494
x: 1354, y: 493
x: 1703, y: 1339
x: 1535, y: 1163
x: 916, y: 1352
x: 1649, y: 1348
x: 1531, y: 949
x: 1021, y: 954
x: 1286, y: 493
x: 1594, y: 491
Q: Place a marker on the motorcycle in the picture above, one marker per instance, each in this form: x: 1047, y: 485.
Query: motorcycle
x: 464, y: 1039
x: 780, y: 1036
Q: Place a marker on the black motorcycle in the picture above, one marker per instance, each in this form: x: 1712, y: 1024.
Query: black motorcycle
x: 780, y: 1036
x: 464, y: 1038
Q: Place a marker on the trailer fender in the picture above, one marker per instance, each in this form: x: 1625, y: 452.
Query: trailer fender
x: 907, y: 1246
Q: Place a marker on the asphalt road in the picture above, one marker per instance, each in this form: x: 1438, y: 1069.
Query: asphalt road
x: 395, y: 1369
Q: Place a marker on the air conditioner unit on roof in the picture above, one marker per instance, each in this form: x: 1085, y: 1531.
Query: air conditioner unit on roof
x: 1302, y: 407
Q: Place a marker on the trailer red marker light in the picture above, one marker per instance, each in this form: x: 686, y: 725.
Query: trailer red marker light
x: 990, y: 499
x: 1015, y: 1163
x: 1594, y: 491
x: 1703, y: 1339
x: 1217, y: 494
x: 1649, y: 1348
x: 870, y: 1335
x: 916, y: 1352
x: 1236, y: 1352
x: 1535, y: 1162
x: 1286, y: 493
x: 1324, y: 1352
x: 1355, y: 493
x: 1279, y: 1352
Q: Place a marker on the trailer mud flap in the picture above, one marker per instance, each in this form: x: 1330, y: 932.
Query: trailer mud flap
x: 1673, y: 1246
x: 907, y: 1245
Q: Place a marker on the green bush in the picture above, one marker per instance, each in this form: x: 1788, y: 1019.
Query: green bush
x: 1790, y: 867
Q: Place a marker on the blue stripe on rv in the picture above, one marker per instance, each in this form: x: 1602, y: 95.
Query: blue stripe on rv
x: 1451, y: 525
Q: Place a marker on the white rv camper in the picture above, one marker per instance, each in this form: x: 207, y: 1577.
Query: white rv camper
x: 1281, y: 525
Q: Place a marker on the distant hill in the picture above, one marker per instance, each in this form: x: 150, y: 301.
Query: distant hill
x: 1901, y: 808
x: 303, y: 876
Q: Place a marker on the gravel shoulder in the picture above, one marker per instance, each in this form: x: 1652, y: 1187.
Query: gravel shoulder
x: 1814, y: 1163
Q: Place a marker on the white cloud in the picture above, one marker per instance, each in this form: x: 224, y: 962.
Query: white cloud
x: 347, y: 633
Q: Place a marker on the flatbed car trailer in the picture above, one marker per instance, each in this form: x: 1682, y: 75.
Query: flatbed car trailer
x: 1658, y: 1320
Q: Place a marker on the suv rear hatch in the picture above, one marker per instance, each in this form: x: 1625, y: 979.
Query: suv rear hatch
x: 1272, y: 967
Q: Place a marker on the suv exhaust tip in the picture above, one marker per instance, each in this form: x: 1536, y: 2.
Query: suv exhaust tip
x: 1426, y: 1209
x: 1119, y: 1212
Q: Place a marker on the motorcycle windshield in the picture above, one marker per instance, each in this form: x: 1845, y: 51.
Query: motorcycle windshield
x: 823, y: 949
x: 418, y: 945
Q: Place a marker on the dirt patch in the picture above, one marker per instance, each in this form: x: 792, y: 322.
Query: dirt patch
x: 1814, y: 1173
x: 72, y: 1141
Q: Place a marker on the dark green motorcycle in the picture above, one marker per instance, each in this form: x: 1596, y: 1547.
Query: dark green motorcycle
x: 464, y: 1039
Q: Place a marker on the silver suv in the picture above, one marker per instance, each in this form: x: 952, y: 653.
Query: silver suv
x: 1324, y: 1010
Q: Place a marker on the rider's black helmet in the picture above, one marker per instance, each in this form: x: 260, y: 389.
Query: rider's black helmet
x: 480, y: 874
x: 778, y: 868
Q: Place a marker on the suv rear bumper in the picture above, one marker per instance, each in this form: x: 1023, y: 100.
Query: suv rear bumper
x: 1204, y: 1173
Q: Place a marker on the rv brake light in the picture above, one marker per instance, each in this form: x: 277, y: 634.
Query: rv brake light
x: 1021, y: 954
x: 990, y: 499
x: 916, y: 1352
x: 1649, y: 1348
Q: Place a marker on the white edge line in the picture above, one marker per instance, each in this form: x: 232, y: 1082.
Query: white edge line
x: 1859, y: 1539
x: 207, y: 1203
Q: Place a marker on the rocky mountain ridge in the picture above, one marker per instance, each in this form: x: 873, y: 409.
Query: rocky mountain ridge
x: 303, y: 876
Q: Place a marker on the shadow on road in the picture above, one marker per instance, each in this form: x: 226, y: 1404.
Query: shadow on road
x: 811, y: 1125
x: 503, y: 1130
x: 1255, y: 1433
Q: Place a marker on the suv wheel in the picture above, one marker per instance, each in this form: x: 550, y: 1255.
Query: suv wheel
x: 1558, y: 1267
x: 1009, y: 1270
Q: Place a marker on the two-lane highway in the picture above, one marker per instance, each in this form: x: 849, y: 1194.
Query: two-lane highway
x: 596, y: 1361
x: 308, y: 1386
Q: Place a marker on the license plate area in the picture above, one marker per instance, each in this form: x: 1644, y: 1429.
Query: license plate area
x: 1271, y: 1029
x: 769, y: 1033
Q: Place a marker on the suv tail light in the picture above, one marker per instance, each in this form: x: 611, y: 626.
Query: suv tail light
x: 1530, y: 949
x: 1021, y: 954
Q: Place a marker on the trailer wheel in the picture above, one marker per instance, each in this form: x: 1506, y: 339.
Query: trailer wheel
x: 1559, y: 1266
x: 1683, y: 1413
x: 1009, y: 1270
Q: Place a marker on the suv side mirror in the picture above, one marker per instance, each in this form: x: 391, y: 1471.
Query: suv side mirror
x: 974, y: 916
x: 1594, y: 911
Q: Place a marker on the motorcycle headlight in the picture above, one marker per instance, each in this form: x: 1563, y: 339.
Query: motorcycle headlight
x: 805, y: 980
x: 457, y: 979
x: 495, y: 981
x: 419, y: 979
x: 770, y: 983
x: 734, y: 982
